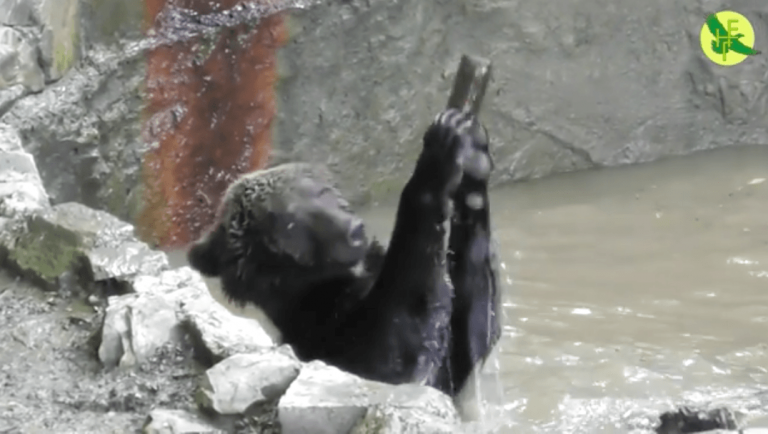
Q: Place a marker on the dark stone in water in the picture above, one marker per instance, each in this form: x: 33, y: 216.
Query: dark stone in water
x: 687, y: 420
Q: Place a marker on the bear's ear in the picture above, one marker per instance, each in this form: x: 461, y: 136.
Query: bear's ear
x: 205, y: 255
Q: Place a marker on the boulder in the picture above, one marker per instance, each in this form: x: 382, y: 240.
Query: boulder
x: 21, y: 189
x: 19, y: 59
x: 71, y: 237
x: 162, y: 421
x: 236, y: 383
x: 166, y: 307
x: 323, y: 399
x: 138, y: 324
x: 697, y: 420
x: 385, y: 419
x: 219, y: 333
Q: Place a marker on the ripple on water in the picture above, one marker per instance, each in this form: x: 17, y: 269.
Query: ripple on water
x: 655, y: 271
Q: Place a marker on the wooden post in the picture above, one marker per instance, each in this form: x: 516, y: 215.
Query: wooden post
x: 470, y: 83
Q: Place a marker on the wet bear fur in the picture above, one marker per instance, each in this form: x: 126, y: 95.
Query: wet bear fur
x: 422, y: 310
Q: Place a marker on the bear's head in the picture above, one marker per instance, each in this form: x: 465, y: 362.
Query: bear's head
x: 290, y: 218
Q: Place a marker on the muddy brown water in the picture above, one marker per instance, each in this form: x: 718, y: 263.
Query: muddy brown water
x: 627, y: 291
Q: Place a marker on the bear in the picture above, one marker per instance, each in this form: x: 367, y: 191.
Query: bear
x: 422, y: 310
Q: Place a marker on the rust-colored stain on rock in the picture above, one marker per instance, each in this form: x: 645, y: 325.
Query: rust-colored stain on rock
x: 210, y: 106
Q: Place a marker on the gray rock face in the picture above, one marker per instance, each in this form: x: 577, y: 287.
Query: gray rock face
x: 240, y: 381
x: 17, y: 12
x: 51, y: 31
x: 588, y: 84
x: 326, y: 400
x: 61, y: 125
x: 579, y: 85
x: 84, y: 131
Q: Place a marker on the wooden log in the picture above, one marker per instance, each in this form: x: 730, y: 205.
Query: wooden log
x: 470, y: 84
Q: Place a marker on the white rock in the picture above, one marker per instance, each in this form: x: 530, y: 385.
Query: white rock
x: 19, y: 60
x: 115, y: 339
x: 166, y: 306
x: 126, y: 262
x: 22, y: 198
x: 240, y: 381
x: 170, y: 280
x: 326, y: 400
x: 136, y: 325
x: 21, y: 189
x: 10, y: 141
x: 222, y: 333
x: 385, y: 419
x: 162, y: 421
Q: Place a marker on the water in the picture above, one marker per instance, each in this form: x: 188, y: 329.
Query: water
x: 630, y: 290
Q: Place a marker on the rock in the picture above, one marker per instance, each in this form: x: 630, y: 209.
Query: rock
x: 383, y: 419
x: 219, y: 332
x: 324, y: 399
x: 9, y: 139
x: 161, y: 421
x: 741, y: 431
x: 569, y: 91
x: 21, y: 189
x: 125, y: 261
x: 94, y: 244
x: 171, y: 280
x: 17, y: 12
x: 55, y: 26
x: 610, y: 106
x: 85, y: 131
x: 10, y: 95
x: 162, y: 309
x: 19, y: 61
x: 238, y: 382
x: 690, y: 420
x: 136, y: 325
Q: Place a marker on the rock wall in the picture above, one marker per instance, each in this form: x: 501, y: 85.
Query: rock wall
x: 577, y: 85
x: 72, y: 90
